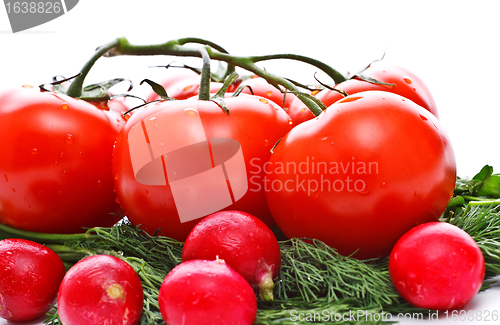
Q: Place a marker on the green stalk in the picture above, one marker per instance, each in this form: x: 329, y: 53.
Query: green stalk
x: 204, y: 92
x: 220, y: 75
x: 75, y: 88
x: 177, y: 48
x: 332, y: 73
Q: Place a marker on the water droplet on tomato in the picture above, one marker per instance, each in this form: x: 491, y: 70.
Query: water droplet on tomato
x: 153, y: 121
x: 117, y: 200
x: 146, y: 191
x: 415, y: 193
x: 266, y: 142
x: 290, y: 122
x: 99, y: 184
x: 324, y: 139
x: 263, y: 100
x: 5, y: 177
x: 69, y: 138
x: 65, y: 105
x: 423, y: 117
x: 187, y: 88
x: 331, y: 143
x: 408, y: 81
x: 191, y: 112
x: 314, y: 92
x: 269, y: 93
x: 61, y: 155
x: 34, y: 151
x: 384, y: 185
x: 13, y: 189
x: 27, y: 86
x: 304, y: 109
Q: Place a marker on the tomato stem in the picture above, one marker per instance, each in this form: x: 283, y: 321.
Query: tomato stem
x: 332, y: 73
x: 204, y: 91
x: 177, y: 48
x: 76, y: 87
x: 221, y: 74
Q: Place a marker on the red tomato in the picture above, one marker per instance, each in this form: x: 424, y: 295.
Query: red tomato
x: 55, y: 162
x: 369, y: 168
x: 437, y: 266
x: 30, y: 275
x: 406, y: 84
x: 260, y: 87
x: 299, y: 112
x: 177, y: 161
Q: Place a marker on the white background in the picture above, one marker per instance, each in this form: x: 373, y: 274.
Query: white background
x: 452, y: 45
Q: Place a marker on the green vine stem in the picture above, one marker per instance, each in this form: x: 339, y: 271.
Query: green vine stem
x: 220, y: 75
x: 75, y: 88
x: 204, y: 92
x: 121, y: 46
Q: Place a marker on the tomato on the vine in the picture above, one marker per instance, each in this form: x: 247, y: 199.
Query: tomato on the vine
x: 55, y: 162
x: 260, y: 87
x: 361, y: 174
x: 397, y: 79
x: 177, y: 161
x: 185, y: 84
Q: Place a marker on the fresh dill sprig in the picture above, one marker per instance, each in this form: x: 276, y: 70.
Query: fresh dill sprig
x: 481, y: 220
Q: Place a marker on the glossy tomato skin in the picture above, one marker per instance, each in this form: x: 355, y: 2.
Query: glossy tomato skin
x: 255, y: 122
x: 368, y: 169
x: 30, y: 275
x: 206, y: 292
x: 56, y: 162
x: 299, y: 112
x: 260, y: 87
x: 100, y: 289
x: 437, y: 266
x: 406, y: 84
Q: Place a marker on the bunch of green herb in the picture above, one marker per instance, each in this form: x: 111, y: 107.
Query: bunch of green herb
x: 316, y: 284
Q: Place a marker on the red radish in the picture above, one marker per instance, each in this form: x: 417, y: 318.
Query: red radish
x: 100, y: 289
x: 244, y: 242
x: 437, y: 266
x: 206, y: 292
x: 30, y: 274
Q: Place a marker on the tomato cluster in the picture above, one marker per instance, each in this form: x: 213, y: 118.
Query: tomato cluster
x: 364, y: 171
